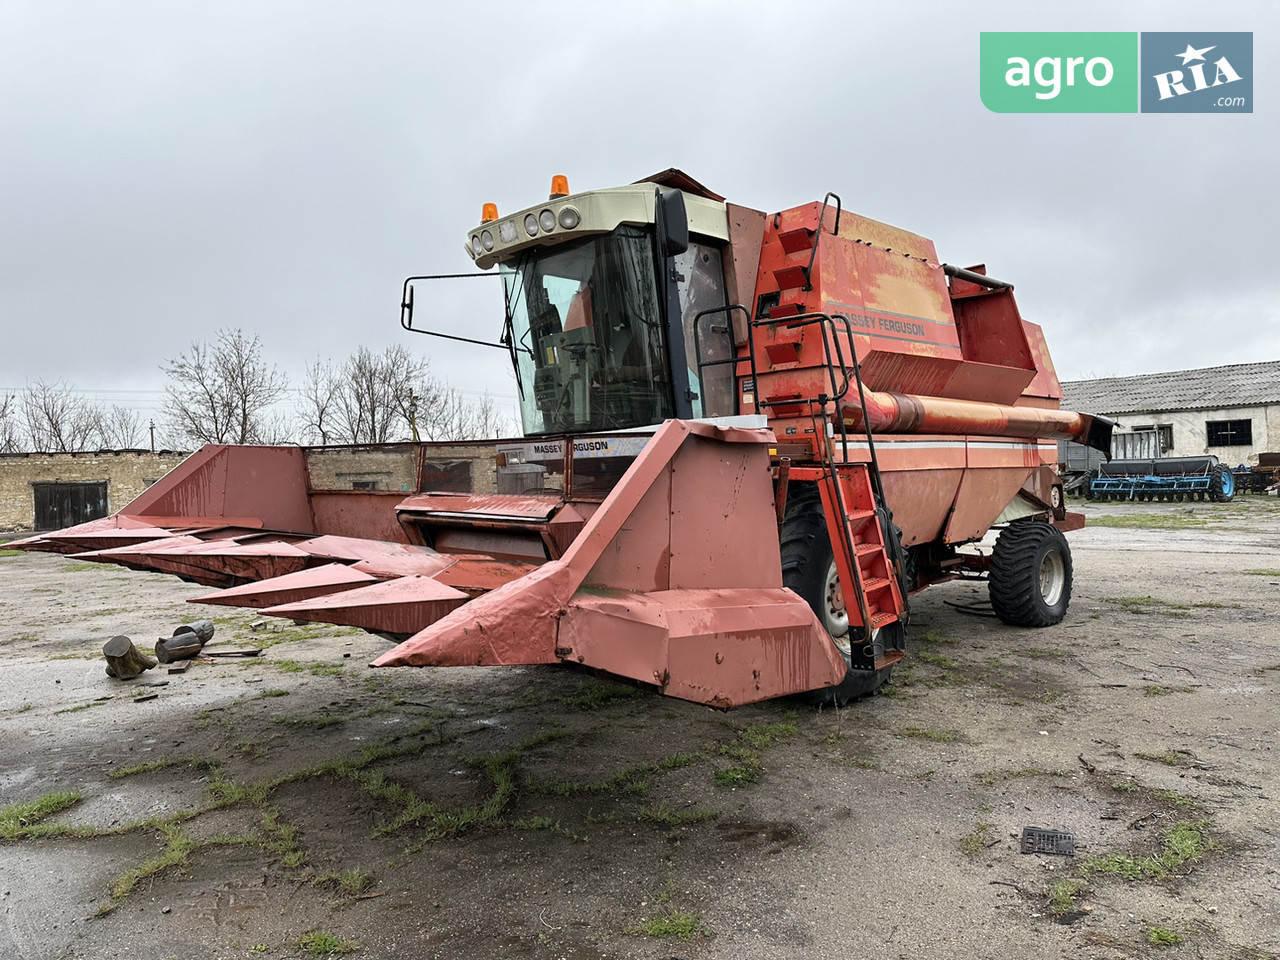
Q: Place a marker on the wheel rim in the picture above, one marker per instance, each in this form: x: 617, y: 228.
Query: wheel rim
x: 1228, y: 484
x: 1053, y: 578
x: 835, y: 617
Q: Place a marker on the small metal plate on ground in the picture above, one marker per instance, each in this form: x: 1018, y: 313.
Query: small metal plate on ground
x: 1040, y: 840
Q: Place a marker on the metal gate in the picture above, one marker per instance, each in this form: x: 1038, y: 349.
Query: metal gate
x: 66, y: 504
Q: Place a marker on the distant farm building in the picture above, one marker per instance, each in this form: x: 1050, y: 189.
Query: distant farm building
x: 1230, y: 412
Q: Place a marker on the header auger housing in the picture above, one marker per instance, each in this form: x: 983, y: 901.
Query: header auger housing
x: 749, y: 439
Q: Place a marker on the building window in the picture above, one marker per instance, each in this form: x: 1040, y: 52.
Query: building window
x: 1229, y: 433
x: 366, y: 484
x: 1166, y: 436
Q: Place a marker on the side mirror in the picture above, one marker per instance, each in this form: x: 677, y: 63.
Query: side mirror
x: 672, y: 222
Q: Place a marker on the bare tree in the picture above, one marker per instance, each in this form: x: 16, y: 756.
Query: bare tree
x: 318, y: 401
x: 222, y: 393
x: 10, y: 429
x: 119, y: 428
x: 57, y: 420
x: 455, y: 417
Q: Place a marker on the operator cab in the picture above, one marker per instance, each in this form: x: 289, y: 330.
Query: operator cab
x: 604, y: 292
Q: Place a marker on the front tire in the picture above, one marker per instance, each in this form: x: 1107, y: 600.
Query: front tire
x: 809, y: 568
x: 1030, y: 579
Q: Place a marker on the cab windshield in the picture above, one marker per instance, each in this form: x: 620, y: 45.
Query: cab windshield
x: 587, y: 335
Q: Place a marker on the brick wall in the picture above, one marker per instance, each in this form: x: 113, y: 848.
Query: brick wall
x: 126, y: 472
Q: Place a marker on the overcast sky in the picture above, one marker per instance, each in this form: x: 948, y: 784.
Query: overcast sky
x: 170, y: 168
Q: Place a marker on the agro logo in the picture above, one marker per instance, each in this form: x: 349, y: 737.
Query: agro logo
x: 1172, y: 84
x: 1197, y: 73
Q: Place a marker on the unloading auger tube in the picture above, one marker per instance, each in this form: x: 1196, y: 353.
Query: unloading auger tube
x: 908, y: 413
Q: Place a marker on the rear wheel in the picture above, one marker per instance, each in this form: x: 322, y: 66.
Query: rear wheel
x: 1222, y: 484
x: 1030, y: 579
x: 809, y: 568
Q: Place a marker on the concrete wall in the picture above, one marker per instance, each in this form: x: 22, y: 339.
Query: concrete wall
x: 1190, y: 437
x: 126, y: 472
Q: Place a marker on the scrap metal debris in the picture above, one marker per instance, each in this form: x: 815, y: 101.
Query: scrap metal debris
x: 1056, y: 842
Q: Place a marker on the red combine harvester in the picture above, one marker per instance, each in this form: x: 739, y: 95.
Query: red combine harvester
x: 749, y: 439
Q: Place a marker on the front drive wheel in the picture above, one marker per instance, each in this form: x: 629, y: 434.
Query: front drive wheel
x: 1030, y: 579
x: 1222, y: 484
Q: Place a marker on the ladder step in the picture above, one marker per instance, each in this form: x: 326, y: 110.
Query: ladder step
x: 871, y: 584
x: 889, y: 659
x: 879, y: 620
x: 866, y: 549
x: 790, y: 277
x: 793, y: 241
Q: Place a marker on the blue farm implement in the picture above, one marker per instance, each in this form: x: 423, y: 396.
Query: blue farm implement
x: 1169, y: 478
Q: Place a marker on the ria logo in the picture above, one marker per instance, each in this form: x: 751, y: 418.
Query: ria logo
x: 1171, y: 84
x: 1197, y: 72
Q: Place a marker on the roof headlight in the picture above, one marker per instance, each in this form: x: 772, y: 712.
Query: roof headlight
x: 569, y: 217
x: 547, y: 220
x: 507, y: 231
x: 475, y: 244
x: 531, y: 224
x: 486, y: 239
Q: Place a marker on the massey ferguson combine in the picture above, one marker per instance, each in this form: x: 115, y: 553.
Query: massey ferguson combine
x: 749, y: 438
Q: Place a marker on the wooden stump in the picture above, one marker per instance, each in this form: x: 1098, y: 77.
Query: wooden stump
x: 124, y: 660
x: 181, y: 646
x: 201, y: 628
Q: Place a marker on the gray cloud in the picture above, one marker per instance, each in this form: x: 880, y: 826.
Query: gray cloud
x: 169, y: 169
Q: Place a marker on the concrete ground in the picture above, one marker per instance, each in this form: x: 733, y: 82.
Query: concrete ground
x: 301, y: 804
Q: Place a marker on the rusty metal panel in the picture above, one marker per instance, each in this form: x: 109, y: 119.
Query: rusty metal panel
x: 983, y: 494
x: 319, y: 581
x: 402, y: 606
x: 350, y: 513
x: 269, y: 483
x: 719, y: 647
x: 492, y: 506
x: 724, y: 530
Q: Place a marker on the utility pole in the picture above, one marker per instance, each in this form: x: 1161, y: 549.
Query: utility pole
x: 153, y: 436
x: 413, y: 416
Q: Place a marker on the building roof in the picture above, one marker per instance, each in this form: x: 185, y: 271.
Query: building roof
x: 1209, y: 388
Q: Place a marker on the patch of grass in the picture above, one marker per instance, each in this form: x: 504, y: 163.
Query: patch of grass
x: 1160, y: 937
x: 739, y: 776
x: 663, y: 814
x: 1176, y: 798
x: 287, y: 666
x: 1124, y: 786
x: 1144, y: 605
x: 1170, y: 758
x: 937, y: 736
x: 322, y: 943
x: 25, y: 707
x: 273, y: 693
x: 27, y: 638
x: 936, y: 660
x: 21, y: 819
x: 762, y: 735
x: 1150, y: 521
x: 596, y: 694
x: 1185, y: 843
x: 1155, y: 690
x: 683, y: 926
x: 177, y: 853
x: 319, y: 720
x: 119, y: 773
x: 1062, y: 896
x: 1262, y: 573
x: 6, y: 552
x: 353, y: 881
x: 76, y: 567
x: 971, y: 844
x: 325, y: 669
x: 82, y: 706
x: 251, y: 749
x: 934, y: 636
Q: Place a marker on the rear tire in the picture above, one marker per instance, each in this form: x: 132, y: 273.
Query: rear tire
x: 1222, y: 484
x: 808, y: 568
x: 1030, y: 579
